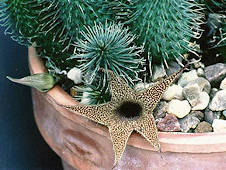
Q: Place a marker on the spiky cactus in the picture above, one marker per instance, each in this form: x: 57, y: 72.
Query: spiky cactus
x: 92, y: 95
x: 108, y: 46
x: 74, y: 33
x: 20, y: 19
x: 165, y: 27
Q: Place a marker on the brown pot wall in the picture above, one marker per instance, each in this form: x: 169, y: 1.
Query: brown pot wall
x: 86, y: 145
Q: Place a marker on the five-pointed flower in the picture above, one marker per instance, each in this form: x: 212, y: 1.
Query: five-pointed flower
x: 127, y: 111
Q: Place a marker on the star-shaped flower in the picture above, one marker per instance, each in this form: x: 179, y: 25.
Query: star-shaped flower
x: 127, y: 111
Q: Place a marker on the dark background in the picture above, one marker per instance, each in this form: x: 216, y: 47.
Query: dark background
x: 21, y: 145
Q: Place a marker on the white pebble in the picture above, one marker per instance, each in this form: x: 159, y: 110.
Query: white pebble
x: 219, y: 125
x: 179, y: 108
x: 223, y: 84
x: 218, y: 102
x: 75, y: 74
x: 173, y: 92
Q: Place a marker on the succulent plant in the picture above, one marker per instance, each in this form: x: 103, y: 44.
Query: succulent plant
x: 91, y: 95
x: 27, y: 21
x: 20, y: 19
x: 108, y: 46
x: 76, y: 14
x: 165, y: 27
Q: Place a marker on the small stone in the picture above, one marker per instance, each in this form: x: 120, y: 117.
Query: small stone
x: 213, y: 91
x: 210, y: 116
x: 218, y: 102
x: 141, y: 86
x: 169, y: 124
x: 203, y: 84
x: 198, y: 114
x: 198, y: 100
x: 173, y: 67
x: 179, y: 108
x: 173, y: 92
x: 75, y: 74
x: 203, y: 127
x: 160, y: 110
x: 219, y: 125
x: 215, y: 73
x: 202, y: 101
x: 224, y: 113
x: 191, y: 93
x: 187, y: 77
x: 188, y: 122
x: 223, y: 84
x: 158, y: 72
x: 200, y: 72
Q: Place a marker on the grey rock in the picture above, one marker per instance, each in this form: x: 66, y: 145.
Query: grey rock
x: 169, y: 124
x: 223, y: 84
x: 215, y: 73
x: 198, y: 114
x: 200, y: 72
x: 158, y: 72
x: 203, y: 84
x: 188, y: 122
x: 203, y: 127
x: 218, y: 102
x: 187, y: 77
x: 160, y: 110
x: 191, y: 93
x: 224, y: 113
x: 213, y: 91
x: 173, y: 68
x: 198, y: 100
x: 202, y: 101
x: 210, y: 115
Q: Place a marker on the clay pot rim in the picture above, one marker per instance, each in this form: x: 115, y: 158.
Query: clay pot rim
x: 170, y: 141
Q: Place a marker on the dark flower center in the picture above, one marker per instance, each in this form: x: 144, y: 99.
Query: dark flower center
x: 129, y: 109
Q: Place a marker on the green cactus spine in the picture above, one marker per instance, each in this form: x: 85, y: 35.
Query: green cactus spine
x: 164, y: 27
x: 108, y: 46
x: 20, y: 17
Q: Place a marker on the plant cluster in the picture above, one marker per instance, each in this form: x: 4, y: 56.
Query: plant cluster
x: 125, y: 36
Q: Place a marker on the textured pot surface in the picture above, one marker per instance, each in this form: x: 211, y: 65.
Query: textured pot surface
x: 86, y: 145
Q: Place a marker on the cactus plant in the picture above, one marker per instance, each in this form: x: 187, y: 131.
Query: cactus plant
x: 165, y: 27
x: 108, y: 46
x: 109, y: 33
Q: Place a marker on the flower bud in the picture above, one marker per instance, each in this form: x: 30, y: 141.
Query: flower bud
x: 41, y: 81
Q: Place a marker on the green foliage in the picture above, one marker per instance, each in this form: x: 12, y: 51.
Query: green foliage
x: 165, y: 27
x: 79, y: 13
x: 92, y: 95
x: 111, y: 47
x: 20, y: 17
x: 32, y: 21
x: 109, y: 34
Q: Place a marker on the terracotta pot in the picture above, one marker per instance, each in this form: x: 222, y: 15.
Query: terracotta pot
x: 85, y: 145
